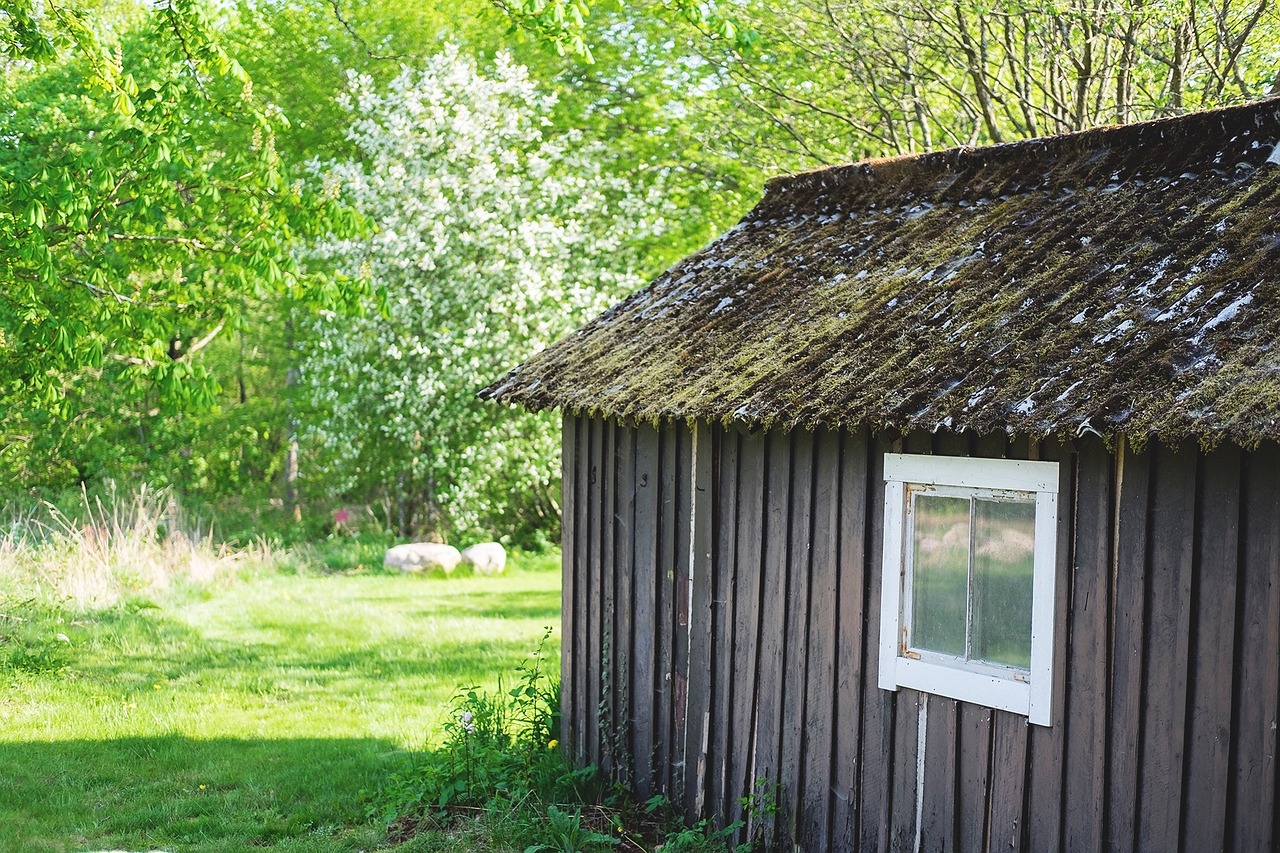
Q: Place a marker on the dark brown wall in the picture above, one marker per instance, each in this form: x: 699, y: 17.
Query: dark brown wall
x: 704, y: 659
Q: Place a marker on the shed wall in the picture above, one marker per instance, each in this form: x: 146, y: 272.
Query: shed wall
x: 721, y: 616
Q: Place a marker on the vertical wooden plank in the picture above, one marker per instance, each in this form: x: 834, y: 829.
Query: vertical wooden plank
x: 681, y: 602
x: 569, y: 722
x: 581, y: 593
x: 592, y: 584
x: 1006, y: 829
x: 746, y: 631
x: 938, y: 805
x: 646, y: 626
x: 910, y: 724
x: 1086, y: 683
x: 624, y: 625
x: 698, y: 664
x: 848, y: 454
x: 796, y: 604
x: 878, y: 763
x: 608, y: 725
x: 773, y: 623
x: 1255, y: 777
x: 973, y: 792
x: 723, y: 608
x: 1168, y: 633
x: 1204, y: 812
x: 821, y: 685
x: 1129, y: 583
x: 1047, y: 745
x: 666, y: 609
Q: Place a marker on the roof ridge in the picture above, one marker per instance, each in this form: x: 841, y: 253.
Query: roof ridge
x: 1114, y: 142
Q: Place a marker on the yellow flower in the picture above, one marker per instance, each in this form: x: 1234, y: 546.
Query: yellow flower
x: 202, y: 787
x: 553, y: 743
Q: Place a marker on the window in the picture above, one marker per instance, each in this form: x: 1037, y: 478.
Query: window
x: 969, y: 570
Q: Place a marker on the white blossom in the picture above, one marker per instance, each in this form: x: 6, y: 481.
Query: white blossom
x: 493, y: 239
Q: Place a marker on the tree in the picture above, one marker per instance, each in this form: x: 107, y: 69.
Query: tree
x: 826, y: 81
x: 564, y: 24
x: 835, y: 81
x: 494, y: 239
x: 146, y: 218
x: 143, y: 207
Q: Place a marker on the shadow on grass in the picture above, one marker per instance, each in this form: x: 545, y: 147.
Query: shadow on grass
x: 173, y: 793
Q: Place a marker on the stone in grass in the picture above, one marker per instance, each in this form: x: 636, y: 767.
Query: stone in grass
x: 422, y: 557
x: 487, y: 558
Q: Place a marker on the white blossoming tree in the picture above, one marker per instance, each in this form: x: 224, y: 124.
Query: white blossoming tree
x: 493, y: 238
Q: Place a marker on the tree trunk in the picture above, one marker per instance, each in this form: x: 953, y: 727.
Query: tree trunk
x: 291, y: 428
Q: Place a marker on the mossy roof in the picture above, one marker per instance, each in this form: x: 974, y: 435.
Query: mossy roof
x: 1121, y: 281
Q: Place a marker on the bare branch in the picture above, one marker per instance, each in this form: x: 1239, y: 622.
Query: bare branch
x: 351, y: 31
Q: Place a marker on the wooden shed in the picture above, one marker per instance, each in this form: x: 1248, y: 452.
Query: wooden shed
x: 937, y: 503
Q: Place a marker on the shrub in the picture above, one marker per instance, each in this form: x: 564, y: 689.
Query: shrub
x: 500, y: 767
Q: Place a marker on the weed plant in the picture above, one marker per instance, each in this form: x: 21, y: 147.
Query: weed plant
x: 501, y: 775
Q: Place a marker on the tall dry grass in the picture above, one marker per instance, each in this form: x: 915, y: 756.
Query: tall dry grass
x: 110, y: 547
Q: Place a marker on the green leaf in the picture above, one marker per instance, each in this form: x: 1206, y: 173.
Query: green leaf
x: 122, y: 104
x: 35, y: 214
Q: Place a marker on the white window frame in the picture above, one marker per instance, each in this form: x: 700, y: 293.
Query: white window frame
x: 993, y: 686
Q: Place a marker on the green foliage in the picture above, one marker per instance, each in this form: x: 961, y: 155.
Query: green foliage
x: 702, y: 837
x: 499, y: 753
x: 563, y: 23
x: 566, y: 833
x: 111, y: 373
x: 223, y: 455
x: 144, y: 218
x: 501, y: 767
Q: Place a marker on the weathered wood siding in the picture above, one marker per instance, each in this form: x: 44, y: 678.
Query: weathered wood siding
x: 721, y: 610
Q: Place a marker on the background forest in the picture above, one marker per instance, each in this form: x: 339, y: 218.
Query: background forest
x: 264, y: 253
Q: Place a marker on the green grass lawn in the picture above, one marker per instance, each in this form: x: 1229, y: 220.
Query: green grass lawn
x: 254, y: 716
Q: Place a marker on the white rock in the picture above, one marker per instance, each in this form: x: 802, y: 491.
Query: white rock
x: 422, y: 557
x: 487, y: 558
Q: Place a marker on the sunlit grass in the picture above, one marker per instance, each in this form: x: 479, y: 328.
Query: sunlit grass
x: 248, y: 716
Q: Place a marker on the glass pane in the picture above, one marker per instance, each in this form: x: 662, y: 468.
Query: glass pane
x: 1004, y: 541
x: 940, y: 574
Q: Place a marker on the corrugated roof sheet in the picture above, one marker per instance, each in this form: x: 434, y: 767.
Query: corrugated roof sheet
x: 1123, y: 280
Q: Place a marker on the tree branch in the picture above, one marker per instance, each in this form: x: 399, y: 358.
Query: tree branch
x: 364, y: 45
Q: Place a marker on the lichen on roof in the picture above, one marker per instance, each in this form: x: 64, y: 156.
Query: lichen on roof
x: 1118, y: 281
